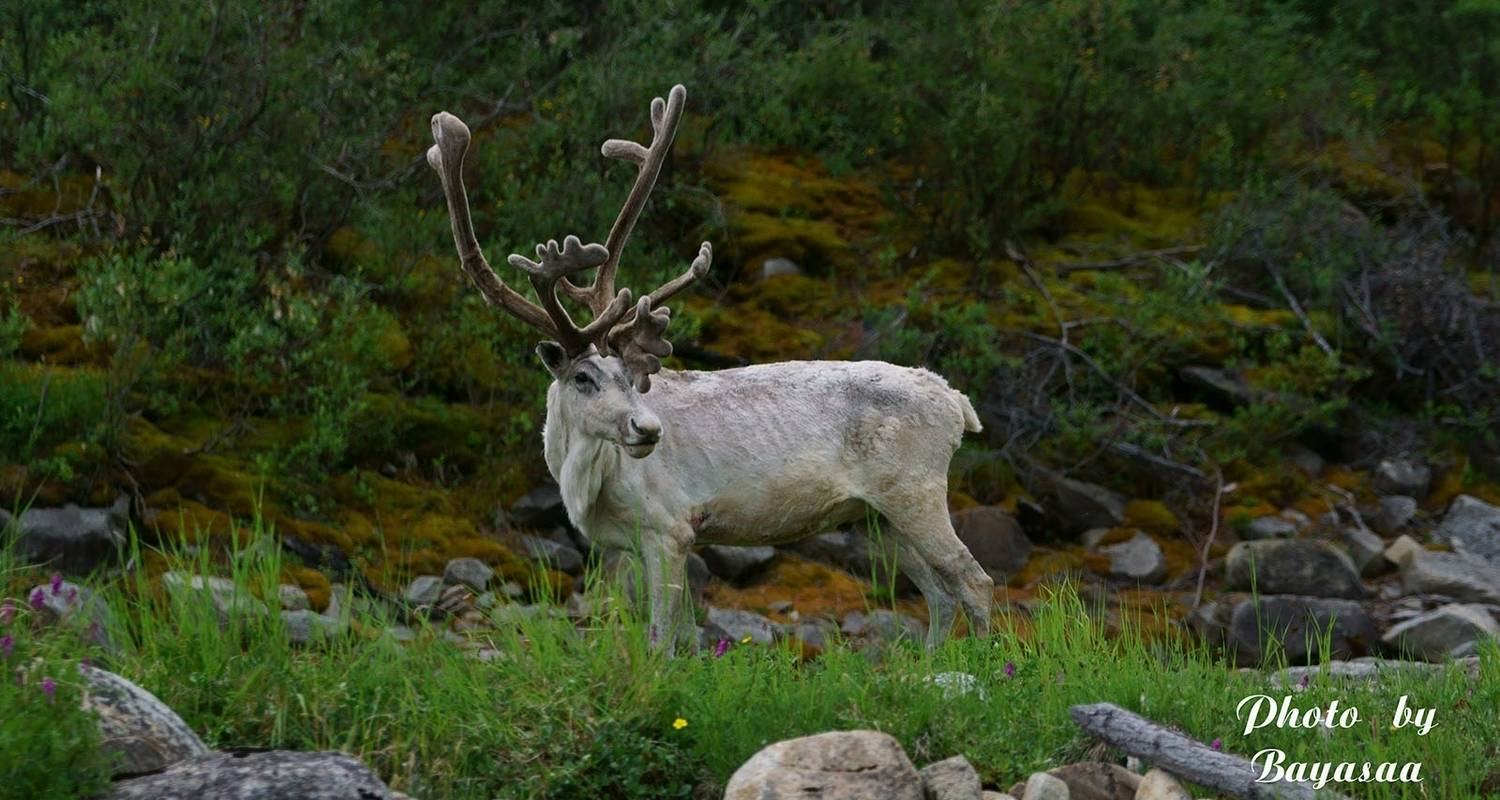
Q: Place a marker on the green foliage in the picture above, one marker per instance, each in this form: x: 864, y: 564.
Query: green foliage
x: 41, y: 407
x: 13, y: 325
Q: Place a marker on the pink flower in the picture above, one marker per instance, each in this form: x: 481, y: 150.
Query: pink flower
x: 7, y: 612
x: 721, y: 648
x: 1303, y: 683
x: 49, y: 687
x: 56, y: 584
x: 38, y: 599
x: 1010, y: 669
x: 6, y: 645
x: 1217, y: 744
x: 72, y: 595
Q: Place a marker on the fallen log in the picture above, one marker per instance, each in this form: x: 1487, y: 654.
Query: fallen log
x: 1184, y: 756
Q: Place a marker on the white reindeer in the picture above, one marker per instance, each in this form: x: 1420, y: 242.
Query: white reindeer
x: 759, y: 455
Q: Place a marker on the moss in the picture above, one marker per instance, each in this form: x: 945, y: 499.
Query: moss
x: 311, y: 581
x: 1152, y: 516
x: 61, y: 345
x: 812, y: 588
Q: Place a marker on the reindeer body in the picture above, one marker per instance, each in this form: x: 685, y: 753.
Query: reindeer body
x: 774, y: 453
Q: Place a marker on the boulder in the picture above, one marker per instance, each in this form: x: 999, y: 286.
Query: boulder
x: 74, y: 605
x: 1296, y: 627
x: 738, y: 624
x: 1041, y: 786
x: 554, y: 554
x: 229, y: 601
x: 1139, y: 559
x: 994, y: 538
x: 735, y: 563
x: 1472, y: 526
x: 1399, y: 476
x: 1455, y: 575
x: 470, y: 572
x: 1097, y: 780
x: 1393, y: 513
x: 1158, y: 785
x: 958, y: 684
x: 1294, y: 566
x: 1403, y: 550
x: 1366, y: 550
x: 950, y: 779
x: 138, y: 731
x: 1436, y: 634
x: 1078, y: 506
x: 841, y: 765
x: 292, y: 598
x: 71, y: 539
x: 697, y: 575
x: 1268, y: 528
x: 539, y: 509
x: 778, y: 265
x: 305, y: 626
x: 258, y: 775
x: 883, y: 624
x: 424, y: 590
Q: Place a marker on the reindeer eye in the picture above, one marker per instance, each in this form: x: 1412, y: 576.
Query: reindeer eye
x: 583, y: 381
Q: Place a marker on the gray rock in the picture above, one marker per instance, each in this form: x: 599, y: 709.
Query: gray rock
x: 994, y: 538
x: 841, y: 765
x: 1140, y: 559
x: 1366, y: 550
x: 292, y: 597
x: 1268, y: 528
x: 1436, y: 634
x: 1295, y: 566
x: 554, y: 554
x: 77, y: 606
x: 71, y: 539
x: 1473, y: 526
x: 735, y: 563
x: 884, y: 624
x: 989, y: 795
x: 1158, y: 785
x: 739, y: 624
x: 455, y: 600
x: 305, y: 626
x: 250, y: 775
x: 1400, y: 476
x: 778, y: 265
x: 958, y: 684
x: 1403, y: 550
x: 424, y: 590
x: 1041, y: 786
x: 697, y: 575
x: 950, y: 779
x: 1296, y: 628
x: 539, y: 509
x: 139, y: 732
x: 1462, y: 577
x: 1367, y: 670
x: 1304, y: 458
x: 1078, y: 506
x: 1393, y: 513
x: 470, y: 572
x: 817, y: 633
x: 1097, y: 780
x: 229, y: 601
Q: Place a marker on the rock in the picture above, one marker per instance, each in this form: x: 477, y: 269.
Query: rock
x: 1473, y: 526
x: 738, y: 624
x: 1403, y: 550
x: 1041, y: 786
x: 305, y: 626
x: 1096, y: 780
x: 857, y: 554
x: 228, y: 600
x: 454, y: 600
x: 1093, y: 536
x: 424, y: 590
x: 1436, y: 634
x: 1304, y: 458
x: 1295, y: 566
x: 1222, y: 385
x: 76, y: 605
x: 470, y: 572
x: 1140, y: 559
x: 950, y: 779
x: 697, y: 575
x: 1268, y: 528
x: 137, y: 730
x: 817, y: 633
x: 71, y: 539
x: 554, y: 554
x: 988, y: 795
x: 1158, y: 785
x: 778, y: 265
x: 1366, y: 550
x: 1079, y: 506
x: 539, y: 509
x: 293, y: 598
x: 1455, y: 575
x: 253, y: 775
x: 735, y: 563
x: 1298, y: 626
x: 1393, y: 513
x: 883, y: 624
x: 841, y: 765
x: 958, y: 684
x: 1399, y: 476
x: 1369, y: 669
x: 994, y: 538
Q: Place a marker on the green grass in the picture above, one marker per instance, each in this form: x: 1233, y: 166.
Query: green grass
x: 590, y: 713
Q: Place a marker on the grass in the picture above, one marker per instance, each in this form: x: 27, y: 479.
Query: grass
x: 566, y: 712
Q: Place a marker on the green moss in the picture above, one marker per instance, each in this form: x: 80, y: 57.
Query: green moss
x: 1152, y: 516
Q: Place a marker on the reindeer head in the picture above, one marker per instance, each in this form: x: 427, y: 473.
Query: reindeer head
x: 600, y: 370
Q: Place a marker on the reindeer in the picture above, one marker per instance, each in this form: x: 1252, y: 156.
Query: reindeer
x: 757, y: 455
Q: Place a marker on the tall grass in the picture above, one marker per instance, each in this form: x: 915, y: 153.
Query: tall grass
x: 562, y: 711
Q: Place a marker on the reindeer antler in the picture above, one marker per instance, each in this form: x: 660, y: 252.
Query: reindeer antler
x: 555, y: 264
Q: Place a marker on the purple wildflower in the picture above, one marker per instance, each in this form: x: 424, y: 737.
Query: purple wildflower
x: 6, y: 645
x: 49, y: 687
x: 7, y: 611
x: 721, y: 648
x: 1303, y: 683
x: 1010, y: 669
x: 38, y: 599
x: 56, y: 584
x: 84, y: 664
x: 1217, y: 744
x: 72, y: 595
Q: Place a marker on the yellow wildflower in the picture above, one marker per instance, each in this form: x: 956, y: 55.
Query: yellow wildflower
x: 678, y: 724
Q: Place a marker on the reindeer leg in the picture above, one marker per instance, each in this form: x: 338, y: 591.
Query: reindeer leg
x: 922, y: 518
x: 665, y: 558
x: 940, y: 603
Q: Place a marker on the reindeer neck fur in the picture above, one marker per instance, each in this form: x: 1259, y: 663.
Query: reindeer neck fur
x: 580, y: 464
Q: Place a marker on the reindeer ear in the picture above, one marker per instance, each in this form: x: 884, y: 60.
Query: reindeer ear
x: 553, y: 356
